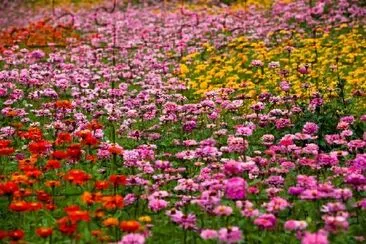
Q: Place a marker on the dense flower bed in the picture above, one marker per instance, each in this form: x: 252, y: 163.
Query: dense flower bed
x: 165, y: 124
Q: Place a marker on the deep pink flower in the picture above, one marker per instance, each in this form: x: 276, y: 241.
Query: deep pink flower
x: 266, y: 221
x: 235, y: 188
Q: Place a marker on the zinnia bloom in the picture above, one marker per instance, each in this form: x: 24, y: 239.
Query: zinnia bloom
x: 130, y: 225
x: 315, y: 238
x: 230, y: 235
x: 132, y: 239
x: 235, y: 188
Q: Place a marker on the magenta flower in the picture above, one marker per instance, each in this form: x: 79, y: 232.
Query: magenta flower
x: 266, y: 221
x: 235, y: 188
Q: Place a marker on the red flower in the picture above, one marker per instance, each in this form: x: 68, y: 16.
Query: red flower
x: 130, y: 226
x: 9, y: 188
x: 19, y: 206
x: 3, y: 234
x: 34, y: 206
x: 39, y: 147
x: 32, y: 134
x: 74, y: 152
x: 77, y: 177
x: 4, y: 143
x: 44, y: 232
x: 90, y: 140
x: 78, y: 215
x: 66, y: 226
x: 6, y: 151
x: 118, y: 180
x: 58, y: 154
x: 43, y: 196
x: 32, y: 172
x: 16, y: 235
x: 50, y: 206
x: 101, y: 185
x: 63, y: 138
x: 53, y: 164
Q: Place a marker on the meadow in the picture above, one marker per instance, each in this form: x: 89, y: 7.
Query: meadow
x: 138, y: 122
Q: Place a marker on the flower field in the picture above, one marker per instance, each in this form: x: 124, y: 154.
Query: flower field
x: 138, y: 122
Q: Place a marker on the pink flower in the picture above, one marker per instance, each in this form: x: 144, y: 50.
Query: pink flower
x: 237, y: 144
x: 235, y: 188
x: 209, y: 234
x: 315, y: 238
x: 230, y: 235
x: 266, y: 221
x: 132, y: 239
x: 157, y: 204
x: 277, y: 204
x: 223, y: 210
x: 232, y: 167
x: 310, y: 128
x: 244, y: 131
x: 295, y: 225
x: 337, y: 223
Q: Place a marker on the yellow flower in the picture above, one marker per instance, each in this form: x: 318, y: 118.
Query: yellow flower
x: 145, y: 219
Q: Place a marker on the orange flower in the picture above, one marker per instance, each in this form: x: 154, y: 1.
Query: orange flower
x: 110, y: 222
x: 28, y: 161
x: 52, y: 183
x: 94, y: 125
x: 19, y: 178
x: 115, y: 150
x: 99, y: 213
x: 130, y: 226
x: 87, y: 198
x: 64, y: 104
x: 12, y: 113
x: 92, y: 158
x: 112, y: 202
x: 44, y: 232
x: 96, y: 233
